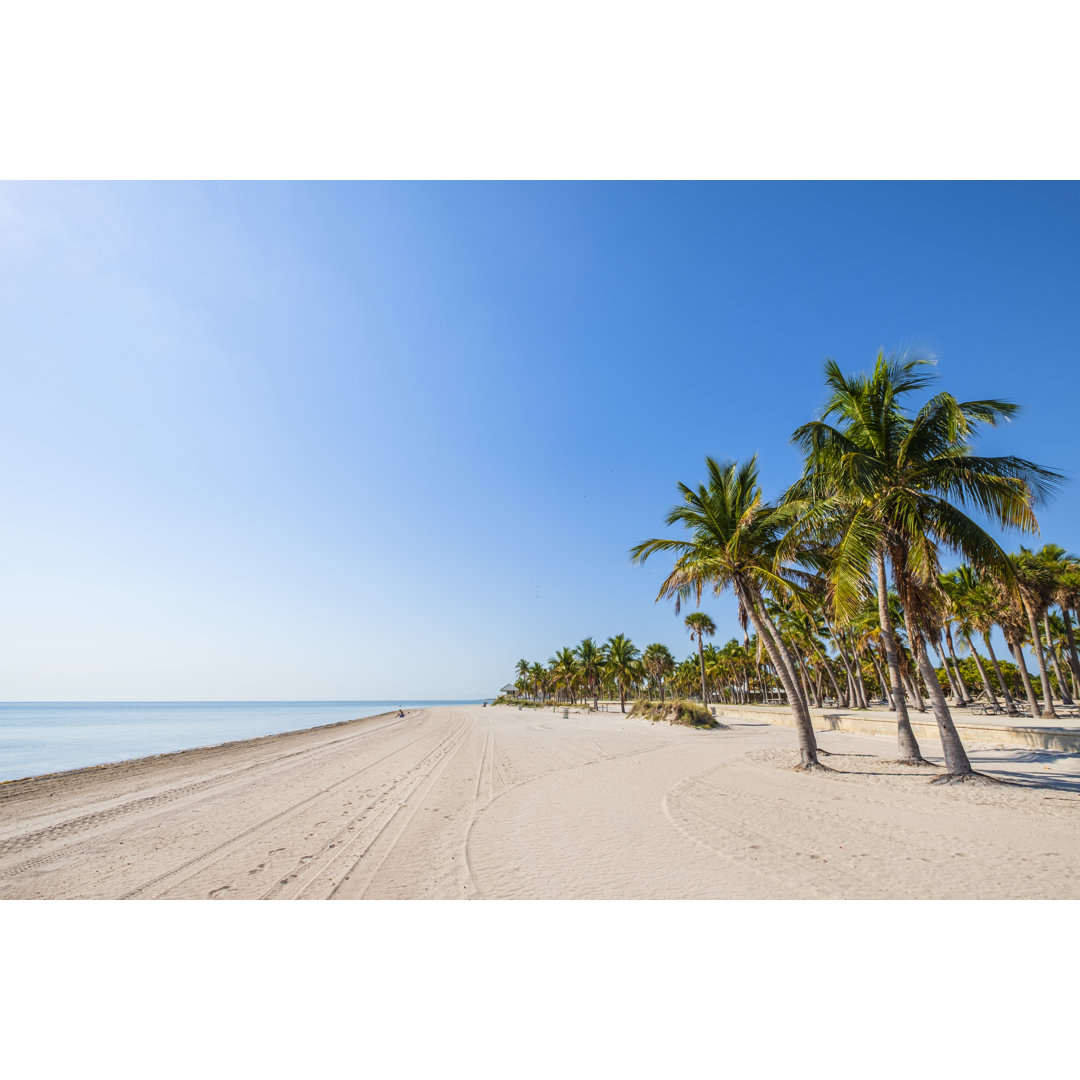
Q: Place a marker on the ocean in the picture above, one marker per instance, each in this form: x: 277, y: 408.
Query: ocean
x: 39, y: 737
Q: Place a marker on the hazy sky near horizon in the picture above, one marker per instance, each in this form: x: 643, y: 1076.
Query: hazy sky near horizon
x: 374, y: 440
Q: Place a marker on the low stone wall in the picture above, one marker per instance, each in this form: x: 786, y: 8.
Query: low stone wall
x: 875, y: 722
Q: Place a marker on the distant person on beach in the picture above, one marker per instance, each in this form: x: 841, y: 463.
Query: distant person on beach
x: 401, y: 712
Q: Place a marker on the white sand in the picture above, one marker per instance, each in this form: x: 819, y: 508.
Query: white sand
x: 472, y: 803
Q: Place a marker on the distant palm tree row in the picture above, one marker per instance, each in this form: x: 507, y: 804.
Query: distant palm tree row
x: 619, y: 669
x: 884, y: 492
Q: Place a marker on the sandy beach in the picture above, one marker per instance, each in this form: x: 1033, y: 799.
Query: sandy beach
x: 500, y: 803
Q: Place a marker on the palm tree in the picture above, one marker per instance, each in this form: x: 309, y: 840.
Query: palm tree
x: 564, y: 668
x: 522, y: 670
x: 1036, y: 581
x: 540, y: 681
x: 1067, y: 597
x: 732, y: 545
x: 1054, y: 565
x: 891, y: 485
x: 985, y: 605
x: 866, y: 631
x: 717, y: 670
x: 699, y: 624
x: 962, y: 588
x: 1054, y: 641
x: 621, y: 657
x: 659, y: 664
x: 590, y: 658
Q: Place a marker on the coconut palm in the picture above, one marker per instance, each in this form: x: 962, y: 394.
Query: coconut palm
x: 540, y: 681
x: 1036, y: 587
x: 564, y: 667
x: 983, y: 606
x: 732, y: 541
x: 699, y: 624
x: 961, y: 586
x: 889, y: 485
x: 659, y: 664
x: 1058, y: 567
x: 621, y: 657
x: 1054, y: 643
x: 1067, y: 597
x: 590, y: 659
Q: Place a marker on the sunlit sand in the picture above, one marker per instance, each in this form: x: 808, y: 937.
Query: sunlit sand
x: 499, y: 803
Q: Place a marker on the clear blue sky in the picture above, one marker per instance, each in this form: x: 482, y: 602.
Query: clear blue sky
x: 375, y: 440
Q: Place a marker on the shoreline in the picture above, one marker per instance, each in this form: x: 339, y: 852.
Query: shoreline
x: 149, y: 760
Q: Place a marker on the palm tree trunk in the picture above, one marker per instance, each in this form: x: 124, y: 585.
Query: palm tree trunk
x: 860, y: 682
x: 853, y: 669
x: 953, y: 688
x: 774, y: 645
x: 956, y: 759
x: 1040, y: 659
x: 701, y: 661
x: 1063, y: 686
x: 823, y: 662
x: 956, y: 666
x: 805, y: 680
x: 849, y: 691
x: 911, y: 681
x: 991, y: 696
x: 907, y: 743
x: 1074, y: 660
x: 1021, y: 664
x: 780, y: 654
x: 885, y: 692
x: 1006, y: 693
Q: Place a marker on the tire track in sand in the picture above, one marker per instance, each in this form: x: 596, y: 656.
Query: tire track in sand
x: 380, y: 824
x: 206, y: 860
x: 190, y: 796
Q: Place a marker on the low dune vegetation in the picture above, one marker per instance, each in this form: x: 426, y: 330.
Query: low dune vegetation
x: 686, y: 713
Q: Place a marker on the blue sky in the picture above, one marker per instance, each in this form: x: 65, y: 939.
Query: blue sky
x: 333, y: 440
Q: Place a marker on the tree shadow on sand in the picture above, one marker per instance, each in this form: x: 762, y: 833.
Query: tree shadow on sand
x: 1012, y: 767
x: 1008, y: 765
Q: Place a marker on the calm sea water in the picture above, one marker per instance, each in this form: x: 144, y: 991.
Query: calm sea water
x: 53, y: 736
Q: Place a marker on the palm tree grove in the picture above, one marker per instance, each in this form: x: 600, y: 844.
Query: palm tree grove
x: 871, y: 581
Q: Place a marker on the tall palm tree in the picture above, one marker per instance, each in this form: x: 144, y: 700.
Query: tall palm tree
x: 1036, y: 582
x: 1067, y: 597
x: 590, y: 660
x: 564, y: 667
x: 700, y: 625
x: 659, y: 664
x: 1054, y: 642
x: 889, y: 485
x: 522, y: 670
x: 540, y: 681
x: 732, y: 541
x: 716, y: 671
x: 1054, y: 563
x: 684, y: 676
x: 621, y: 656
x: 962, y: 588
